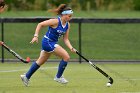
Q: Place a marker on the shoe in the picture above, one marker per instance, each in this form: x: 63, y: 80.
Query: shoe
x: 61, y: 80
x: 25, y: 80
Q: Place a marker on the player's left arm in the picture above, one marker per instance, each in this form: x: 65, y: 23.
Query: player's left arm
x: 67, y: 41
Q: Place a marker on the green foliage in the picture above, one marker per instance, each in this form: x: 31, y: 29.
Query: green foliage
x: 58, y: 2
x: 75, y: 4
x: 19, y: 4
x: 136, y: 4
x: 114, y: 4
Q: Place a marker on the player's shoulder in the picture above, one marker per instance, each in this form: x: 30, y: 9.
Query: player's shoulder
x: 53, y: 21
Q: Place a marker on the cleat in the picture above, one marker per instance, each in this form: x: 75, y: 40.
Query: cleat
x: 25, y: 80
x: 61, y: 80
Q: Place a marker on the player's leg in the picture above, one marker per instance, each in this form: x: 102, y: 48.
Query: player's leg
x: 41, y: 60
x: 62, y: 53
x: 35, y: 66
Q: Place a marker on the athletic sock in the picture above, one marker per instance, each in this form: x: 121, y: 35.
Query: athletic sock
x: 61, y: 68
x: 32, y: 69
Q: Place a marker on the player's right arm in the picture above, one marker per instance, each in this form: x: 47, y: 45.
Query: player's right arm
x: 51, y: 22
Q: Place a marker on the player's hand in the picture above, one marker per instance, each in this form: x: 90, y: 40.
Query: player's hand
x: 73, y: 50
x: 34, y: 39
x: 1, y: 43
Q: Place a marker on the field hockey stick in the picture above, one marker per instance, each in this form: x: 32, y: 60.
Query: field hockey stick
x: 14, y: 53
x: 97, y: 68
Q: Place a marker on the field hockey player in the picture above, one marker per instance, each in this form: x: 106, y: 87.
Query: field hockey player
x: 57, y: 27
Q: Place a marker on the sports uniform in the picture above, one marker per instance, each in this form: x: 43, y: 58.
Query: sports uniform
x: 49, y: 41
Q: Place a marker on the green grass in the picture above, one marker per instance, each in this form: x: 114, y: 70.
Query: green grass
x: 82, y: 78
x: 91, y: 14
x: 101, y: 41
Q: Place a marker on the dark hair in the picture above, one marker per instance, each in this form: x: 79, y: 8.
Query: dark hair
x: 2, y: 3
x: 61, y: 8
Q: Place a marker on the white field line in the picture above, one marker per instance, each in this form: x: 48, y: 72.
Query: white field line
x: 9, y: 71
x: 44, y: 68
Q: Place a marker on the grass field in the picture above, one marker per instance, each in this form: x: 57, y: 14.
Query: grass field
x: 102, y: 41
x: 82, y: 78
x: 91, y: 14
x: 107, y: 41
x: 99, y: 41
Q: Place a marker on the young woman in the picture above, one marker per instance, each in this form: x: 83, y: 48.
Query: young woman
x: 56, y: 28
x: 2, y: 5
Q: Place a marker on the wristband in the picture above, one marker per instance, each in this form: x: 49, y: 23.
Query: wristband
x: 35, y: 35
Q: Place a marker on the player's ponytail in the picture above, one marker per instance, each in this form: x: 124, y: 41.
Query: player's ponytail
x: 61, y: 8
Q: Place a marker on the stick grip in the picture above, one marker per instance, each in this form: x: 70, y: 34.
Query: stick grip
x: 82, y: 56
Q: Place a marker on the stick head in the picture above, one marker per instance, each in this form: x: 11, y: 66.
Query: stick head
x: 28, y: 59
x: 108, y: 84
x: 1, y: 43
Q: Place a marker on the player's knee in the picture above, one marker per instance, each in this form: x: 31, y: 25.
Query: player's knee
x: 66, y: 58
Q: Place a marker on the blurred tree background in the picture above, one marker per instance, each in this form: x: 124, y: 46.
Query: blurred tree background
x: 86, y: 5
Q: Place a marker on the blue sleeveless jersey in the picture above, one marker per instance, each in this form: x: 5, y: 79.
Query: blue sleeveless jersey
x: 53, y: 34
